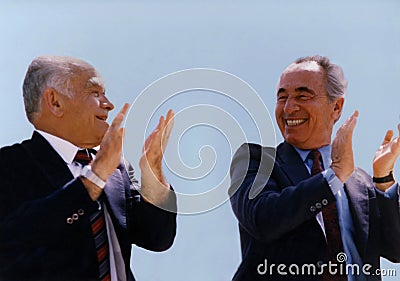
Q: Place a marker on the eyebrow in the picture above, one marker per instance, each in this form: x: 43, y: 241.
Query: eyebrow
x: 299, y: 89
x: 281, y: 90
x: 305, y: 89
x: 95, y: 82
x: 90, y: 85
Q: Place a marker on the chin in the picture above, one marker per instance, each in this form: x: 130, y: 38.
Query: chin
x: 102, y: 131
x: 98, y: 138
x: 294, y: 142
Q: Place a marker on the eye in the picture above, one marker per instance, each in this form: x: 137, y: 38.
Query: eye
x: 96, y: 94
x: 304, y: 97
x: 282, y: 98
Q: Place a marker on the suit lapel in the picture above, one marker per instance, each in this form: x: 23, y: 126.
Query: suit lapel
x: 48, y: 160
x: 357, y: 193
x: 291, y: 163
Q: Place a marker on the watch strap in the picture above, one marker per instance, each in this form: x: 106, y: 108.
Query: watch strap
x: 388, y: 178
x: 91, y: 176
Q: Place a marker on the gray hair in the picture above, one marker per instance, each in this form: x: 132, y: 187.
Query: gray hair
x: 48, y: 72
x: 335, y: 84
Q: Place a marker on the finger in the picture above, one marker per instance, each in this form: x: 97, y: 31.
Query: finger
x: 162, y: 123
x: 165, y: 137
x: 153, y: 149
x: 152, y: 138
x: 158, y: 133
x: 170, y: 116
x: 159, y: 123
x: 352, y: 118
x: 388, y: 136
x: 351, y: 121
x: 170, y: 119
x: 168, y: 129
x: 348, y: 127
x: 352, y: 125
x: 147, y: 142
x: 116, y: 123
x: 348, y: 122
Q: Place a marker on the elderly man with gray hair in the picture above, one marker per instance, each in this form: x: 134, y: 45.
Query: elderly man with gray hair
x: 70, y: 206
x: 304, y: 211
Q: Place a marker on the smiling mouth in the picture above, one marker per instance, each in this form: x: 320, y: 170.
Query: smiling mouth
x: 294, y: 122
x: 102, y: 118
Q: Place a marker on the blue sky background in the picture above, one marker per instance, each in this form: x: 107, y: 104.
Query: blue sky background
x: 133, y: 43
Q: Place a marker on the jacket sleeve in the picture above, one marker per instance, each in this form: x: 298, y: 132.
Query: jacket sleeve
x: 278, y: 206
x: 150, y: 226
x: 389, y: 226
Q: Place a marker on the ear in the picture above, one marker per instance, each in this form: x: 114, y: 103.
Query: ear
x: 53, y: 102
x: 337, y: 109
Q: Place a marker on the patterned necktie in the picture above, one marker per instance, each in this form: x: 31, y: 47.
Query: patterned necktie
x: 83, y: 157
x: 98, y: 226
x: 332, y: 229
x: 99, y: 231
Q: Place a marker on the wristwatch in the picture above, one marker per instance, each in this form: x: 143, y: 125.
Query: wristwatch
x: 91, y: 176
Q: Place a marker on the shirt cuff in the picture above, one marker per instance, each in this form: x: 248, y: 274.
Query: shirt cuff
x: 334, y: 182
x: 391, y: 192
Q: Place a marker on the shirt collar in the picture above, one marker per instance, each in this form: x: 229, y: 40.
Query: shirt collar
x: 64, y: 148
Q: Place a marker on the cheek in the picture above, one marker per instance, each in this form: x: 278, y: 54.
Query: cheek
x: 323, y: 119
x: 279, y: 122
x: 278, y: 113
x: 85, y: 119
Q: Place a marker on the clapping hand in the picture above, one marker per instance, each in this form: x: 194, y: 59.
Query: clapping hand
x: 342, y: 149
x: 154, y: 186
x: 385, y: 158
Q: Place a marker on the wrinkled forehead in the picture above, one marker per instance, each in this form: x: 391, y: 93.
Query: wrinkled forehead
x: 87, y: 77
x: 305, y: 74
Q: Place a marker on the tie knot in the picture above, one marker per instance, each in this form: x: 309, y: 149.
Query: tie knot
x: 83, y: 157
x: 315, y: 156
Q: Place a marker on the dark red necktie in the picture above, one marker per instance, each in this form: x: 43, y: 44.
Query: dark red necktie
x: 332, y: 228
x: 98, y: 225
x: 83, y: 157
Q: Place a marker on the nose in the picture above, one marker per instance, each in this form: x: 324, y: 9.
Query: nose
x: 106, y: 104
x: 290, y: 106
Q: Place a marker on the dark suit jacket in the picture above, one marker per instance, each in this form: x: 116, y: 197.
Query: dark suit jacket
x: 37, y: 195
x: 279, y: 226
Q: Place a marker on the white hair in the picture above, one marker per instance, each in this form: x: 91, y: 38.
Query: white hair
x: 335, y: 84
x: 48, y: 72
